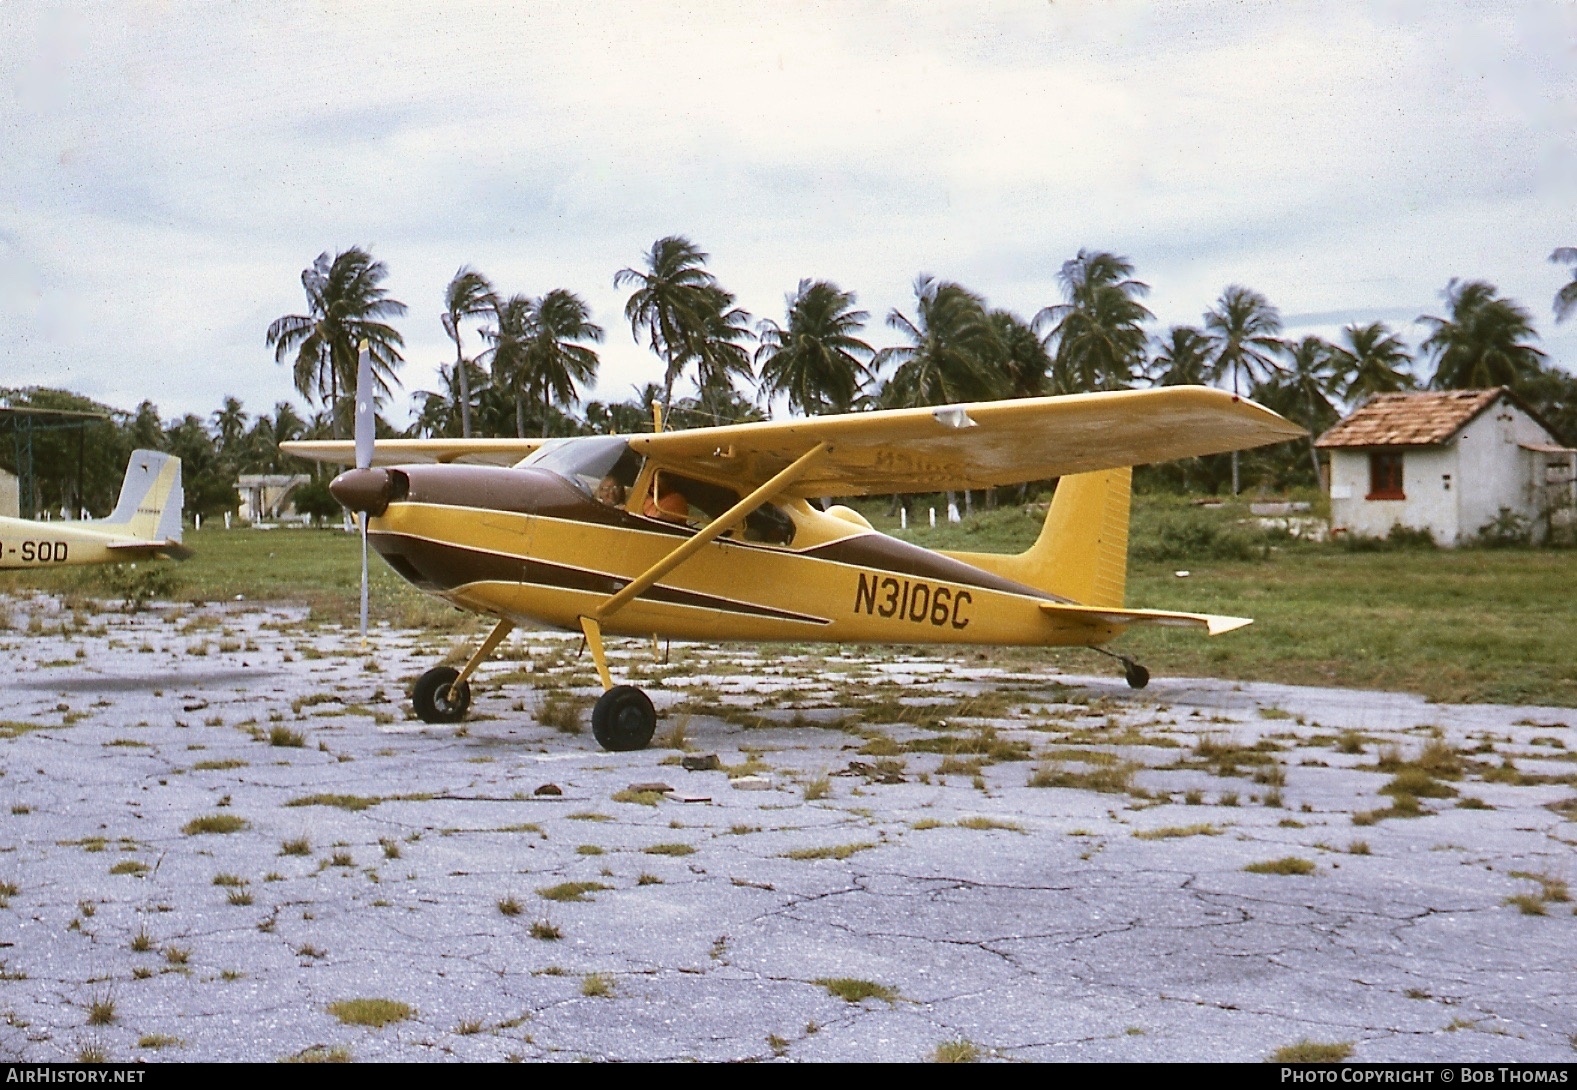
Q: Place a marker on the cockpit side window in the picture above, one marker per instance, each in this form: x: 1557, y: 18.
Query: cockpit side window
x: 684, y: 500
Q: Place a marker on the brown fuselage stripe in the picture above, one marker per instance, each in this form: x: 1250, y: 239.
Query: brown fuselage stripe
x: 440, y: 566
x: 877, y: 550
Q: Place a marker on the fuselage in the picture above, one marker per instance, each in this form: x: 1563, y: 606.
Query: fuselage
x: 536, y: 546
x: 28, y: 544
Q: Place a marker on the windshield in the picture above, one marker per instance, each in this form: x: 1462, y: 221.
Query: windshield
x: 603, y: 466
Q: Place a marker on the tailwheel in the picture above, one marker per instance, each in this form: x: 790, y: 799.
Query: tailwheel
x: 438, y: 698
x: 1136, y: 676
x: 623, y: 719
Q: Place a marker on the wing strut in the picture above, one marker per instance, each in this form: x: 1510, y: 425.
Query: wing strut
x: 592, y: 625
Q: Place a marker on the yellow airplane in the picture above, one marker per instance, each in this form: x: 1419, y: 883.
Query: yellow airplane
x: 711, y: 534
x: 146, y: 523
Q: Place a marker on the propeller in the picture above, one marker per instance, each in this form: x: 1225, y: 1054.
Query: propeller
x: 366, y: 433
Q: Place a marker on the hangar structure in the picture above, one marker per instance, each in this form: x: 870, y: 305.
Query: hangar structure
x: 1453, y: 462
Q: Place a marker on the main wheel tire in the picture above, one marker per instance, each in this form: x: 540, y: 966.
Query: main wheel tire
x: 623, y: 719
x: 431, y: 696
x: 1136, y: 676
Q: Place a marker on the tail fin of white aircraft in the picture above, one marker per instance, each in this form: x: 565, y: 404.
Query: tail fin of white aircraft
x: 150, y: 499
x: 1082, y: 551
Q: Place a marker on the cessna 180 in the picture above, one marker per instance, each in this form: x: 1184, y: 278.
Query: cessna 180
x: 710, y: 534
x: 146, y: 523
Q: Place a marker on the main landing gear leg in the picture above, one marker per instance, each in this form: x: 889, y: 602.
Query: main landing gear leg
x: 442, y: 694
x: 1134, y: 674
x: 623, y: 718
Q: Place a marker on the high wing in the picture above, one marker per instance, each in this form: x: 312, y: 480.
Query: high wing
x: 982, y: 445
x: 397, y: 452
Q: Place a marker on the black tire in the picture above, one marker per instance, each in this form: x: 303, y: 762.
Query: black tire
x: 431, y: 696
x: 1136, y: 676
x: 623, y: 719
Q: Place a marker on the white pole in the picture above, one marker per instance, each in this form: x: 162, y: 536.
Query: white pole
x: 903, y: 518
x: 933, y: 518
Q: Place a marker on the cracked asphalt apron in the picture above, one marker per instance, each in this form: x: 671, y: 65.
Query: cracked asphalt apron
x: 873, y: 821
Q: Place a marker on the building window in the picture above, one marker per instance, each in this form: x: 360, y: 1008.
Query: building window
x: 1385, y: 476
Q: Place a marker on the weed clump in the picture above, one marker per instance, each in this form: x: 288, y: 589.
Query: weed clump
x: 853, y: 990
x: 833, y: 851
x: 1312, y: 1052
x: 215, y: 823
x: 570, y: 891
x: 1290, y: 864
x: 371, y: 1012
x: 956, y: 1052
x: 596, y: 986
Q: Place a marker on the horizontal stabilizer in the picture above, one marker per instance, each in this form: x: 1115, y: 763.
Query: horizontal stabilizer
x: 138, y: 550
x: 1212, y: 624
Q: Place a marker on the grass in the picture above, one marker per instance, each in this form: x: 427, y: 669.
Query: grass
x: 158, y: 1040
x: 819, y: 788
x: 218, y: 766
x: 297, y: 846
x: 834, y: 851
x: 1290, y: 864
x: 571, y: 891
x: 1452, y: 624
x: 1174, y: 832
x: 215, y: 823
x: 564, y: 714
x: 642, y: 798
x: 853, y: 990
x: 670, y: 849
x: 546, y: 930
x: 371, y: 1012
x: 284, y: 736
x: 320, y: 1054
x: 956, y: 1052
x: 130, y: 866
x: 509, y: 906
x: 352, y: 803
x: 101, y: 1010
x: 1311, y: 1052
x: 596, y: 986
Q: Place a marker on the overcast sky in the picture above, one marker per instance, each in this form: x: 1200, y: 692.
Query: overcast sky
x: 169, y: 169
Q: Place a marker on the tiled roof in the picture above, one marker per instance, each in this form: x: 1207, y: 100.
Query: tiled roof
x: 1409, y: 420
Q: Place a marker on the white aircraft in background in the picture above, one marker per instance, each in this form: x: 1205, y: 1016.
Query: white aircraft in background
x: 146, y: 523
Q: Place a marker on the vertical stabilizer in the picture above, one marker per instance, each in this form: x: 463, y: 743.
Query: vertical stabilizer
x: 151, y: 499
x: 1082, y: 551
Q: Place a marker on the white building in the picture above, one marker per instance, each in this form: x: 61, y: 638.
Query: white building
x: 1448, y: 462
x: 267, y: 495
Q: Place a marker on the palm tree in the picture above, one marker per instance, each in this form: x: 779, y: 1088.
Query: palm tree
x: 1311, y: 381
x: 817, y: 361
x: 1099, y: 342
x: 508, y: 358
x: 1182, y: 358
x: 469, y: 295
x: 1481, y: 344
x: 717, y: 350
x: 952, y: 352
x: 1025, y: 362
x: 345, y: 300
x: 673, y: 301
x: 1373, y: 361
x: 556, y: 363
x: 1566, y: 298
x: 1243, y: 328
